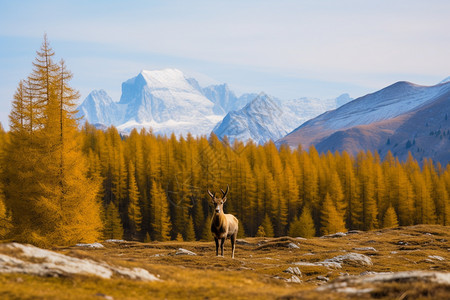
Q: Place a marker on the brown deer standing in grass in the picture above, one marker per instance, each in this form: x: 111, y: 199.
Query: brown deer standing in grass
x: 223, y: 225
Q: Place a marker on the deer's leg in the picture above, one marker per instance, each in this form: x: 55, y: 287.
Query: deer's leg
x: 222, y: 241
x: 217, y: 246
x: 233, y: 243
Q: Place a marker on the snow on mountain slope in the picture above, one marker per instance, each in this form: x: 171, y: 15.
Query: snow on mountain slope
x: 225, y: 100
x: 268, y: 118
x: 260, y: 120
x: 167, y: 101
x: 164, y: 100
x: 387, y: 103
x: 163, y: 95
x: 445, y: 80
x: 368, y: 121
x: 99, y: 108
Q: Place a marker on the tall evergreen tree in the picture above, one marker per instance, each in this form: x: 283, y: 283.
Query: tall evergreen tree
x: 159, y: 214
x: 113, y: 228
x: 59, y: 205
x: 134, y: 209
x: 331, y: 221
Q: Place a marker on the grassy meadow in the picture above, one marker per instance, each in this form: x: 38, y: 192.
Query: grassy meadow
x: 255, y: 273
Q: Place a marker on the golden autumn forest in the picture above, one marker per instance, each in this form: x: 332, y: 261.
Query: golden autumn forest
x: 64, y: 184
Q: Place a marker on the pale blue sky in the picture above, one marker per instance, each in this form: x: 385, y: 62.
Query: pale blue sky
x: 289, y: 49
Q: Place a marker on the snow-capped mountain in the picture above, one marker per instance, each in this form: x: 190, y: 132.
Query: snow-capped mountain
x: 99, y: 108
x: 225, y: 100
x: 260, y: 120
x: 167, y: 101
x: 382, y: 121
x: 267, y: 118
x: 164, y: 100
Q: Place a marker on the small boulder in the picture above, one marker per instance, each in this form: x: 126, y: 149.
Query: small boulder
x: 293, y: 270
x: 365, y: 249
x: 322, y: 278
x: 334, y: 235
x: 436, y: 257
x: 294, y: 279
x: 93, y: 245
x: 182, y: 251
x: 293, y: 246
x: 355, y: 259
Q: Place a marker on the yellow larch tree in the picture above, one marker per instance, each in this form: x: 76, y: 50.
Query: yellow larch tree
x: 331, y: 221
x: 134, y: 209
x: 61, y: 204
x: 390, y: 218
x: 160, y: 221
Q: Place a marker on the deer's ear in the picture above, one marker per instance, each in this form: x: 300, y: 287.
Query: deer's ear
x: 224, y: 199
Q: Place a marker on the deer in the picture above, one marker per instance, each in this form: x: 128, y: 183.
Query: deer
x: 223, y: 225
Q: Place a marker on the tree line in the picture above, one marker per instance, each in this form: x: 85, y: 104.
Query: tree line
x: 63, y: 185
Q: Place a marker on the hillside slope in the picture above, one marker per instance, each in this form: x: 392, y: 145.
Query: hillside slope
x: 263, y: 268
x: 401, y: 118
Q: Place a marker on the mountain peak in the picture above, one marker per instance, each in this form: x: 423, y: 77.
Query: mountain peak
x: 164, y: 78
x: 262, y: 102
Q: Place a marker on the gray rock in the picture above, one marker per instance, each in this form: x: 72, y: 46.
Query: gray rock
x: 93, y: 245
x: 366, y: 284
x: 35, y: 261
x: 293, y: 270
x: 335, y: 235
x: 365, y: 273
x: 293, y: 246
x: 294, y: 279
x: 322, y: 278
x: 365, y: 249
x: 182, y: 251
x: 355, y: 259
x: 114, y: 241
x: 328, y: 265
x: 436, y: 257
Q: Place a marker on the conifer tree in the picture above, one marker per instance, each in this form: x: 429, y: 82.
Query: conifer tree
x: 113, y: 228
x: 134, y: 210
x: 260, y: 232
x: 331, y: 221
x: 60, y: 205
x: 306, y: 228
x: 189, y: 233
x: 390, y: 218
x: 294, y: 228
x: 159, y: 214
x: 268, y: 227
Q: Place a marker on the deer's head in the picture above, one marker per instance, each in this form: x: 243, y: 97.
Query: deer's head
x: 217, y: 201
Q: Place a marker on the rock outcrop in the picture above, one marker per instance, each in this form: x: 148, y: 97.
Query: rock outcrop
x: 28, y: 259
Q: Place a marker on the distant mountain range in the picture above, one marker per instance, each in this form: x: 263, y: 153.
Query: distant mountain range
x: 167, y: 101
x: 400, y: 118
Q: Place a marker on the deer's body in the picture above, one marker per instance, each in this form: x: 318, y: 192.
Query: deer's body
x: 223, y: 226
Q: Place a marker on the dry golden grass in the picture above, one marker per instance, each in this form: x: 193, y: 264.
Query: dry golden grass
x: 255, y: 272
